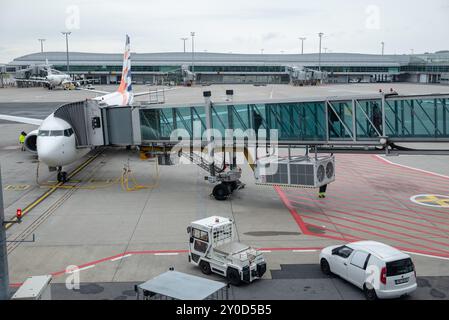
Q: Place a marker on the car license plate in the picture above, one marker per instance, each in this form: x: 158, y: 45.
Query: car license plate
x: 401, y: 281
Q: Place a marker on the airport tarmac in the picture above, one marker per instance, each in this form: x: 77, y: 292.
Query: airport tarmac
x: 242, y: 92
x: 118, y: 238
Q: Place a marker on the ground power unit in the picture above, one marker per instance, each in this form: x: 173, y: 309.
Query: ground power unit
x: 306, y: 172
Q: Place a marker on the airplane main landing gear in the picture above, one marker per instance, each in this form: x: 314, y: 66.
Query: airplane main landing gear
x: 62, y: 175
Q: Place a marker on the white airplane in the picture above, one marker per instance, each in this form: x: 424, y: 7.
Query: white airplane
x: 54, y: 79
x: 54, y: 140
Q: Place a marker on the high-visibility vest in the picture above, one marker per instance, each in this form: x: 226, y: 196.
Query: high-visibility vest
x: 22, y: 138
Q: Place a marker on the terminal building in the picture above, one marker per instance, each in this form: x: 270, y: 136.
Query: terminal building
x: 209, y: 68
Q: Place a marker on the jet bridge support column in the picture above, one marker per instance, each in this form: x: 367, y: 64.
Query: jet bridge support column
x: 233, y: 152
x: 210, y: 138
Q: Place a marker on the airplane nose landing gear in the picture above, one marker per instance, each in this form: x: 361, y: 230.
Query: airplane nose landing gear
x: 62, y: 175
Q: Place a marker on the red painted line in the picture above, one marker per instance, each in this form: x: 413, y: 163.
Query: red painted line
x: 292, y: 210
x: 289, y: 249
x: 373, y: 170
x: 382, y: 235
x: 379, y: 178
x: 15, y: 285
x: 297, y: 217
x: 346, y: 236
x: 380, y: 228
x: 371, y: 213
x: 156, y: 251
x: 335, y: 198
x: 433, y: 174
x: 55, y: 274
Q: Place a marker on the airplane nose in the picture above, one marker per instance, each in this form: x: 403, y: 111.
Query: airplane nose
x: 48, y: 150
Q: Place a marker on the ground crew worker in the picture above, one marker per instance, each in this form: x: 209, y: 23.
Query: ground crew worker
x: 22, y: 140
x: 322, y: 192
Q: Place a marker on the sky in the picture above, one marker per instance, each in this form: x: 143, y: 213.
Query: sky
x: 237, y: 26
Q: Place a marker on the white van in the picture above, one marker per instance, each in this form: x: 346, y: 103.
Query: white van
x: 380, y: 270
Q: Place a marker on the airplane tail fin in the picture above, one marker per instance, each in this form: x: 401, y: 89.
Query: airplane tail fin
x: 125, y: 87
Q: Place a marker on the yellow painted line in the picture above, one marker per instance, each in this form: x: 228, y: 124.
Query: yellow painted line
x: 32, y: 205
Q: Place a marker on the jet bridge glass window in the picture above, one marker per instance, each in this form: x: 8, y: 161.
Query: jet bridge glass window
x: 199, y: 234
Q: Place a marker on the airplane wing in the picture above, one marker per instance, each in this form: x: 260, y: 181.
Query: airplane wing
x: 36, y: 122
x: 150, y: 92
x: 32, y: 80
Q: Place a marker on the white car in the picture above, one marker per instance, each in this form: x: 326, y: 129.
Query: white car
x: 380, y: 270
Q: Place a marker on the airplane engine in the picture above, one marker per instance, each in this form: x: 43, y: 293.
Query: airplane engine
x: 30, y: 142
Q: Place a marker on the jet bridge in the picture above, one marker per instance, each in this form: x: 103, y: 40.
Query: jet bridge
x: 96, y: 125
x: 379, y: 123
x: 370, y: 120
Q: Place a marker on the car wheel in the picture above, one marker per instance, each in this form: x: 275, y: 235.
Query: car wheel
x: 205, y: 267
x: 325, y: 268
x: 370, y: 294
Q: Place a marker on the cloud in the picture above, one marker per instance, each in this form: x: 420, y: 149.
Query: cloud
x: 223, y: 26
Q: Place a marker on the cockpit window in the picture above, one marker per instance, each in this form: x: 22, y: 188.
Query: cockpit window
x: 56, y: 133
x: 68, y: 132
x: 43, y: 133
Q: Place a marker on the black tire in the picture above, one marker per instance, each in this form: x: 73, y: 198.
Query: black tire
x: 205, y: 267
x: 221, y: 192
x: 233, y: 276
x: 62, y: 177
x: 325, y: 267
x: 233, y: 186
x: 370, y: 294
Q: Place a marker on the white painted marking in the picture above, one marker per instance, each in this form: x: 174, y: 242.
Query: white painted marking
x: 12, y: 147
x: 416, y: 169
x: 265, y: 251
x: 121, y: 257
x: 426, y: 255
x: 439, y: 196
x: 166, y: 254
x: 305, y: 250
x: 82, y: 269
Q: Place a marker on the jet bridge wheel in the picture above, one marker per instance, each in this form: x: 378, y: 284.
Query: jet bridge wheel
x: 221, y: 191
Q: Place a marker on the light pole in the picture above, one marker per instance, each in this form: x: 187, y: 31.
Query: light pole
x: 302, y: 44
x: 319, y: 52
x: 4, y: 276
x: 42, y: 44
x: 67, y: 47
x: 193, y: 51
x: 184, y: 40
x: 319, y: 57
x: 383, y: 47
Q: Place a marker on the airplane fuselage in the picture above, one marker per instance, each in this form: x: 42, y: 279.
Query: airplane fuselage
x: 58, y: 79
